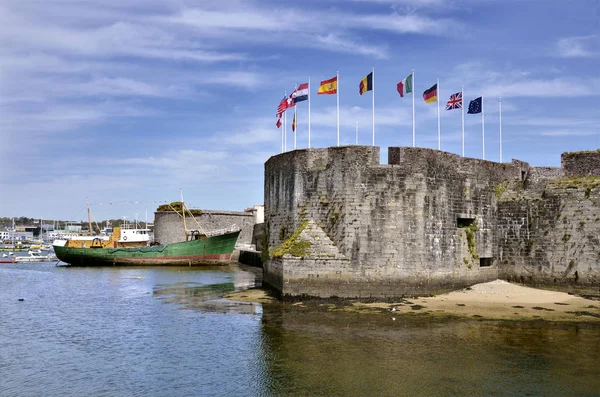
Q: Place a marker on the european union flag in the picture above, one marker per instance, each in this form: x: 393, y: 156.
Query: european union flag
x: 475, y: 106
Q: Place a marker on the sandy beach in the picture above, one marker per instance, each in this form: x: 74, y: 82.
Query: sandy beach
x: 496, y: 300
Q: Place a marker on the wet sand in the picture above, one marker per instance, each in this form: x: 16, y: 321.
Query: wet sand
x: 495, y: 300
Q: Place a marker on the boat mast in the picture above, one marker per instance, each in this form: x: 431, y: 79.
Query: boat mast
x: 183, y: 211
x: 87, y: 203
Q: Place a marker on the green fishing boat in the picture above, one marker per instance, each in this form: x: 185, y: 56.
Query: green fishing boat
x: 204, y: 250
x: 127, y: 246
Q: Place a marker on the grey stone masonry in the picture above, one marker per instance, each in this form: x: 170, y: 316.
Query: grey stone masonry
x: 554, y: 237
x: 581, y: 163
x: 168, y: 226
x: 427, y: 221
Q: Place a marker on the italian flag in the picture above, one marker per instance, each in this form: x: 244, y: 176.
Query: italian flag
x: 405, y: 86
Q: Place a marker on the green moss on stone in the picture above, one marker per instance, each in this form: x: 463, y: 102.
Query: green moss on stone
x: 177, y: 207
x: 500, y: 189
x: 470, y: 231
x: 583, y: 182
x: 292, y: 245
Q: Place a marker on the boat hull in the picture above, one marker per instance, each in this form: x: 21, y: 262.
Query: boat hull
x: 207, y: 251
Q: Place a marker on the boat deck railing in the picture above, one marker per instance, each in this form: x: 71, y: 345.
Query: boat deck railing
x: 230, y: 229
x: 130, y: 226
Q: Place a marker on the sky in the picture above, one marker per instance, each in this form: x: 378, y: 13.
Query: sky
x: 127, y: 102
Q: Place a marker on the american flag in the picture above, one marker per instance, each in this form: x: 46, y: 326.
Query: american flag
x: 455, y: 101
x: 283, y: 105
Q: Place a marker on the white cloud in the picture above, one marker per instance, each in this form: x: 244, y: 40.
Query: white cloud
x: 114, y: 38
x: 411, y: 3
x: 384, y: 116
x: 559, y: 87
x: 333, y: 42
x: 299, y: 27
x: 565, y: 122
x: 567, y: 133
x: 578, y: 46
x: 479, y: 77
x: 182, y: 163
x: 234, y: 78
x: 250, y: 135
x: 397, y: 23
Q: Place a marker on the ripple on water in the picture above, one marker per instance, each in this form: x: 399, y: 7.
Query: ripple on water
x: 122, y: 332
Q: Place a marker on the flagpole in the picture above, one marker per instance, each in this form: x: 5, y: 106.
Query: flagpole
x: 413, y: 92
x: 500, y: 101
x: 462, y: 94
x: 285, y: 131
x: 438, y: 103
x: 482, y: 130
x: 295, y: 118
x: 357, y: 131
x: 285, y: 122
x: 309, y: 112
x: 373, y: 117
x: 337, y: 91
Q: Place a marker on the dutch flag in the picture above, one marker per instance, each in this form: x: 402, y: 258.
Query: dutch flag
x: 301, y: 93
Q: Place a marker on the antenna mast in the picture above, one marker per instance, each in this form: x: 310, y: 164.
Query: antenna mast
x: 183, y: 211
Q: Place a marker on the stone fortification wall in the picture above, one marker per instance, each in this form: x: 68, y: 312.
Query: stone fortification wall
x: 537, y: 177
x: 554, y: 239
x: 427, y: 221
x: 168, y: 226
x: 399, y: 225
x: 581, y: 163
x: 552, y: 235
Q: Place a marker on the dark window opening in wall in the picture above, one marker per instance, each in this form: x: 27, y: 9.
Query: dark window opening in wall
x: 523, y: 174
x: 464, y: 222
x: 485, y: 262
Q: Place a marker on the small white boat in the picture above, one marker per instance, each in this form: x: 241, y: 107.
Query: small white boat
x: 35, y: 257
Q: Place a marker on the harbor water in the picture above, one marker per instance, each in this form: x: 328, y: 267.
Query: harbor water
x: 169, y: 332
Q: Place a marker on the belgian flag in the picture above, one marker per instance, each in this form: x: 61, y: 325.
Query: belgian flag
x: 366, y: 84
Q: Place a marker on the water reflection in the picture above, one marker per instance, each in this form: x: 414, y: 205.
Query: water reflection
x: 341, y: 354
x: 208, y: 296
x: 119, y: 332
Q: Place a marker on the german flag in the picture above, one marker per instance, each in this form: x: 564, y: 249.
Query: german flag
x: 430, y: 95
x: 328, y: 87
x: 366, y: 84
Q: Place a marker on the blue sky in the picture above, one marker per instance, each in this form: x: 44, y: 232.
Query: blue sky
x: 129, y: 101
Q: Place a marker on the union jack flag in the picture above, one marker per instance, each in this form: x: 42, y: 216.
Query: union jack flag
x: 455, y: 101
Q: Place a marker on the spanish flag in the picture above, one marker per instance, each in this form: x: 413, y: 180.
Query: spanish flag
x: 328, y: 87
x: 366, y: 84
x: 430, y: 95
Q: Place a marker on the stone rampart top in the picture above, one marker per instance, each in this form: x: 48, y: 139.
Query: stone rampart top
x: 340, y: 156
x: 421, y: 159
x: 585, y: 163
x: 214, y: 212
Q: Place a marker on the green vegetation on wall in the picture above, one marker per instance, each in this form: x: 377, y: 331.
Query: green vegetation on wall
x: 584, y: 182
x: 293, y: 245
x: 177, y: 207
x: 470, y: 230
